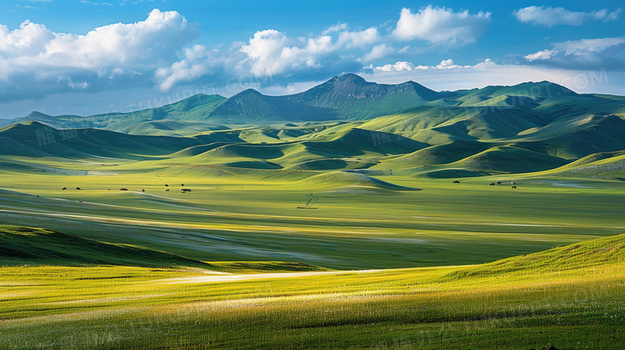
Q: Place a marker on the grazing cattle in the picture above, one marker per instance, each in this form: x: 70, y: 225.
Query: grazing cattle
x: 456, y: 182
x: 167, y: 190
x: 64, y: 188
x: 78, y: 188
x: 142, y: 190
x: 513, y: 187
x: 182, y: 185
x: 499, y: 182
x: 492, y: 184
x: 166, y: 185
x: 512, y: 183
x: 123, y: 189
x: 185, y: 190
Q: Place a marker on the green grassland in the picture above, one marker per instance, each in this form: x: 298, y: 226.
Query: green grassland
x: 352, y: 215
x: 389, y: 261
x: 402, y: 221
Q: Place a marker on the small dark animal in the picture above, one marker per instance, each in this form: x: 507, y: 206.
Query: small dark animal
x: 513, y: 187
x: 123, y: 189
x: 167, y: 190
x: 492, y: 184
x: 64, y: 188
x: 78, y: 188
x: 181, y: 184
x: 142, y: 190
x: 456, y: 182
x: 499, y: 182
x: 185, y: 190
x: 166, y: 185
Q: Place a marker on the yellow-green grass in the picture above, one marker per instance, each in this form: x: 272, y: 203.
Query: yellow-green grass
x: 569, y: 297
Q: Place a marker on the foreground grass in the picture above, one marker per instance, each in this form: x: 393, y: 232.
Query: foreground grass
x: 571, y: 297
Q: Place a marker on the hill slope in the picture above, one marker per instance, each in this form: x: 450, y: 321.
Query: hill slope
x: 27, y: 245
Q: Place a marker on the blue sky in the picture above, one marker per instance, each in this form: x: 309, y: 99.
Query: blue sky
x: 86, y: 57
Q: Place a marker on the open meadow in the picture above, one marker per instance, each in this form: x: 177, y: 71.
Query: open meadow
x: 237, y: 262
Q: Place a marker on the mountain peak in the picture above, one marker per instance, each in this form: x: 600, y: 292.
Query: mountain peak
x: 34, y: 115
x: 249, y: 91
x: 349, y: 78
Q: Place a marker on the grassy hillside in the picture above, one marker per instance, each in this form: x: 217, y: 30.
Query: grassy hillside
x: 497, y: 129
x: 37, y: 246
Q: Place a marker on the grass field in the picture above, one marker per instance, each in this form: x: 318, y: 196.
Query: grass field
x: 356, y: 224
x: 395, y: 261
x: 569, y: 297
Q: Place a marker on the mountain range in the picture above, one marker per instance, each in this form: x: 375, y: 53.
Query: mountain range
x: 348, y: 124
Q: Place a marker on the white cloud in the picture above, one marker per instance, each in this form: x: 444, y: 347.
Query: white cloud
x: 29, y: 38
x: 74, y: 85
x: 541, y: 55
x: 266, y: 48
x: 441, y: 26
x: 196, y: 63
x: 408, y: 66
x: 447, y: 64
x: 339, y: 27
x: 271, y: 52
x: 550, y: 16
x: 34, y: 55
x: 358, y: 39
x: 584, y: 54
x: 591, y: 45
x: 378, y: 52
x: 397, y: 67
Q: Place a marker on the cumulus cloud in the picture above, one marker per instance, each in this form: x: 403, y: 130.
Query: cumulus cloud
x: 377, y: 52
x: 441, y: 25
x: 36, y: 61
x: 197, y: 62
x: 397, y: 67
x: 550, y: 16
x: 271, y: 52
x: 408, y: 66
x: 583, y: 54
x: 53, y: 62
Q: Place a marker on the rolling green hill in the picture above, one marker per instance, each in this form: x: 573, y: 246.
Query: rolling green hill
x: 595, y: 253
x: 33, y: 139
x: 345, y: 124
